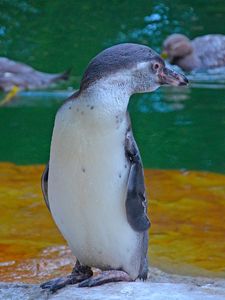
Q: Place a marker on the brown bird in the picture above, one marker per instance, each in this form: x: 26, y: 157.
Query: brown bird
x: 203, y: 52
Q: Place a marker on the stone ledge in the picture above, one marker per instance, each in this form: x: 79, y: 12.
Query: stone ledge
x: 159, y: 286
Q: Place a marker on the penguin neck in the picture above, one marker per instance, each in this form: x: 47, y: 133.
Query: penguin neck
x: 108, y: 96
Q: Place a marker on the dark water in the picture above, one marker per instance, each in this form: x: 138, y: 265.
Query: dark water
x: 175, y: 128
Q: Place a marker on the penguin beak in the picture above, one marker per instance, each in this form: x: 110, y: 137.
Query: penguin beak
x: 170, y: 77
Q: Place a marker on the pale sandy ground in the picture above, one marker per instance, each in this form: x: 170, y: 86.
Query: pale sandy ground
x: 159, y: 286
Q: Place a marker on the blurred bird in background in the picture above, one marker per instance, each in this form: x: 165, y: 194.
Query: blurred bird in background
x: 204, y: 52
x: 17, y: 76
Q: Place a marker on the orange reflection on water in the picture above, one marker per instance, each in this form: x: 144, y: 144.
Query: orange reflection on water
x: 187, y: 211
x: 187, y: 235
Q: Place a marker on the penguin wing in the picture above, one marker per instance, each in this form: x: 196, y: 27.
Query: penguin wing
x: 44, y: 185
x: 136, y: 203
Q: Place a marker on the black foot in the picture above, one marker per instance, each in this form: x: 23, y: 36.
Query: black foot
x: 58, y: 283
x: 79, y: 274
x: 105, y: 277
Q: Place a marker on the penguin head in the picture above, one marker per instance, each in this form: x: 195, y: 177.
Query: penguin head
x: 134, y: 67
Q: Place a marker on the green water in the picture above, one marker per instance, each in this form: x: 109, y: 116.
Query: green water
x: 174, y: 128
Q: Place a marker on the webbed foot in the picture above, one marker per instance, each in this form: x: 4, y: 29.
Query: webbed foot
x: 105, y: 277
x: 79, y: 273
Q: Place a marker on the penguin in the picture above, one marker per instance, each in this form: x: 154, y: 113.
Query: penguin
x: 94, y: 182
x: 203, y: 52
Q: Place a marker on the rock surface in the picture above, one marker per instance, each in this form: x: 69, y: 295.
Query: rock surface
x: 159, y: 286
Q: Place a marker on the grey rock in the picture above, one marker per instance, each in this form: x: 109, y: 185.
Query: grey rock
x: 159, y: 286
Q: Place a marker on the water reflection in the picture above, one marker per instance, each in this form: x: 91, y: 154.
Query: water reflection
x: 164, y: 100
x: 163, y: 19
x: 211, y: 78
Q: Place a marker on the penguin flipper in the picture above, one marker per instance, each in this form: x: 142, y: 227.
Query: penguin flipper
x: 44, y: 185
x: 136, y: 203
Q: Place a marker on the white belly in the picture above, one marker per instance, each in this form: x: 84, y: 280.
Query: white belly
x: 87, y: 190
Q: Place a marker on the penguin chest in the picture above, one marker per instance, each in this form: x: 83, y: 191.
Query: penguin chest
x: 87, y: 191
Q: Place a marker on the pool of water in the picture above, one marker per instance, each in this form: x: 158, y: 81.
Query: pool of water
x: 176, y: 128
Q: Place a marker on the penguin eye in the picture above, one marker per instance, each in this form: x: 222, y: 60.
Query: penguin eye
x: 155, y: 66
